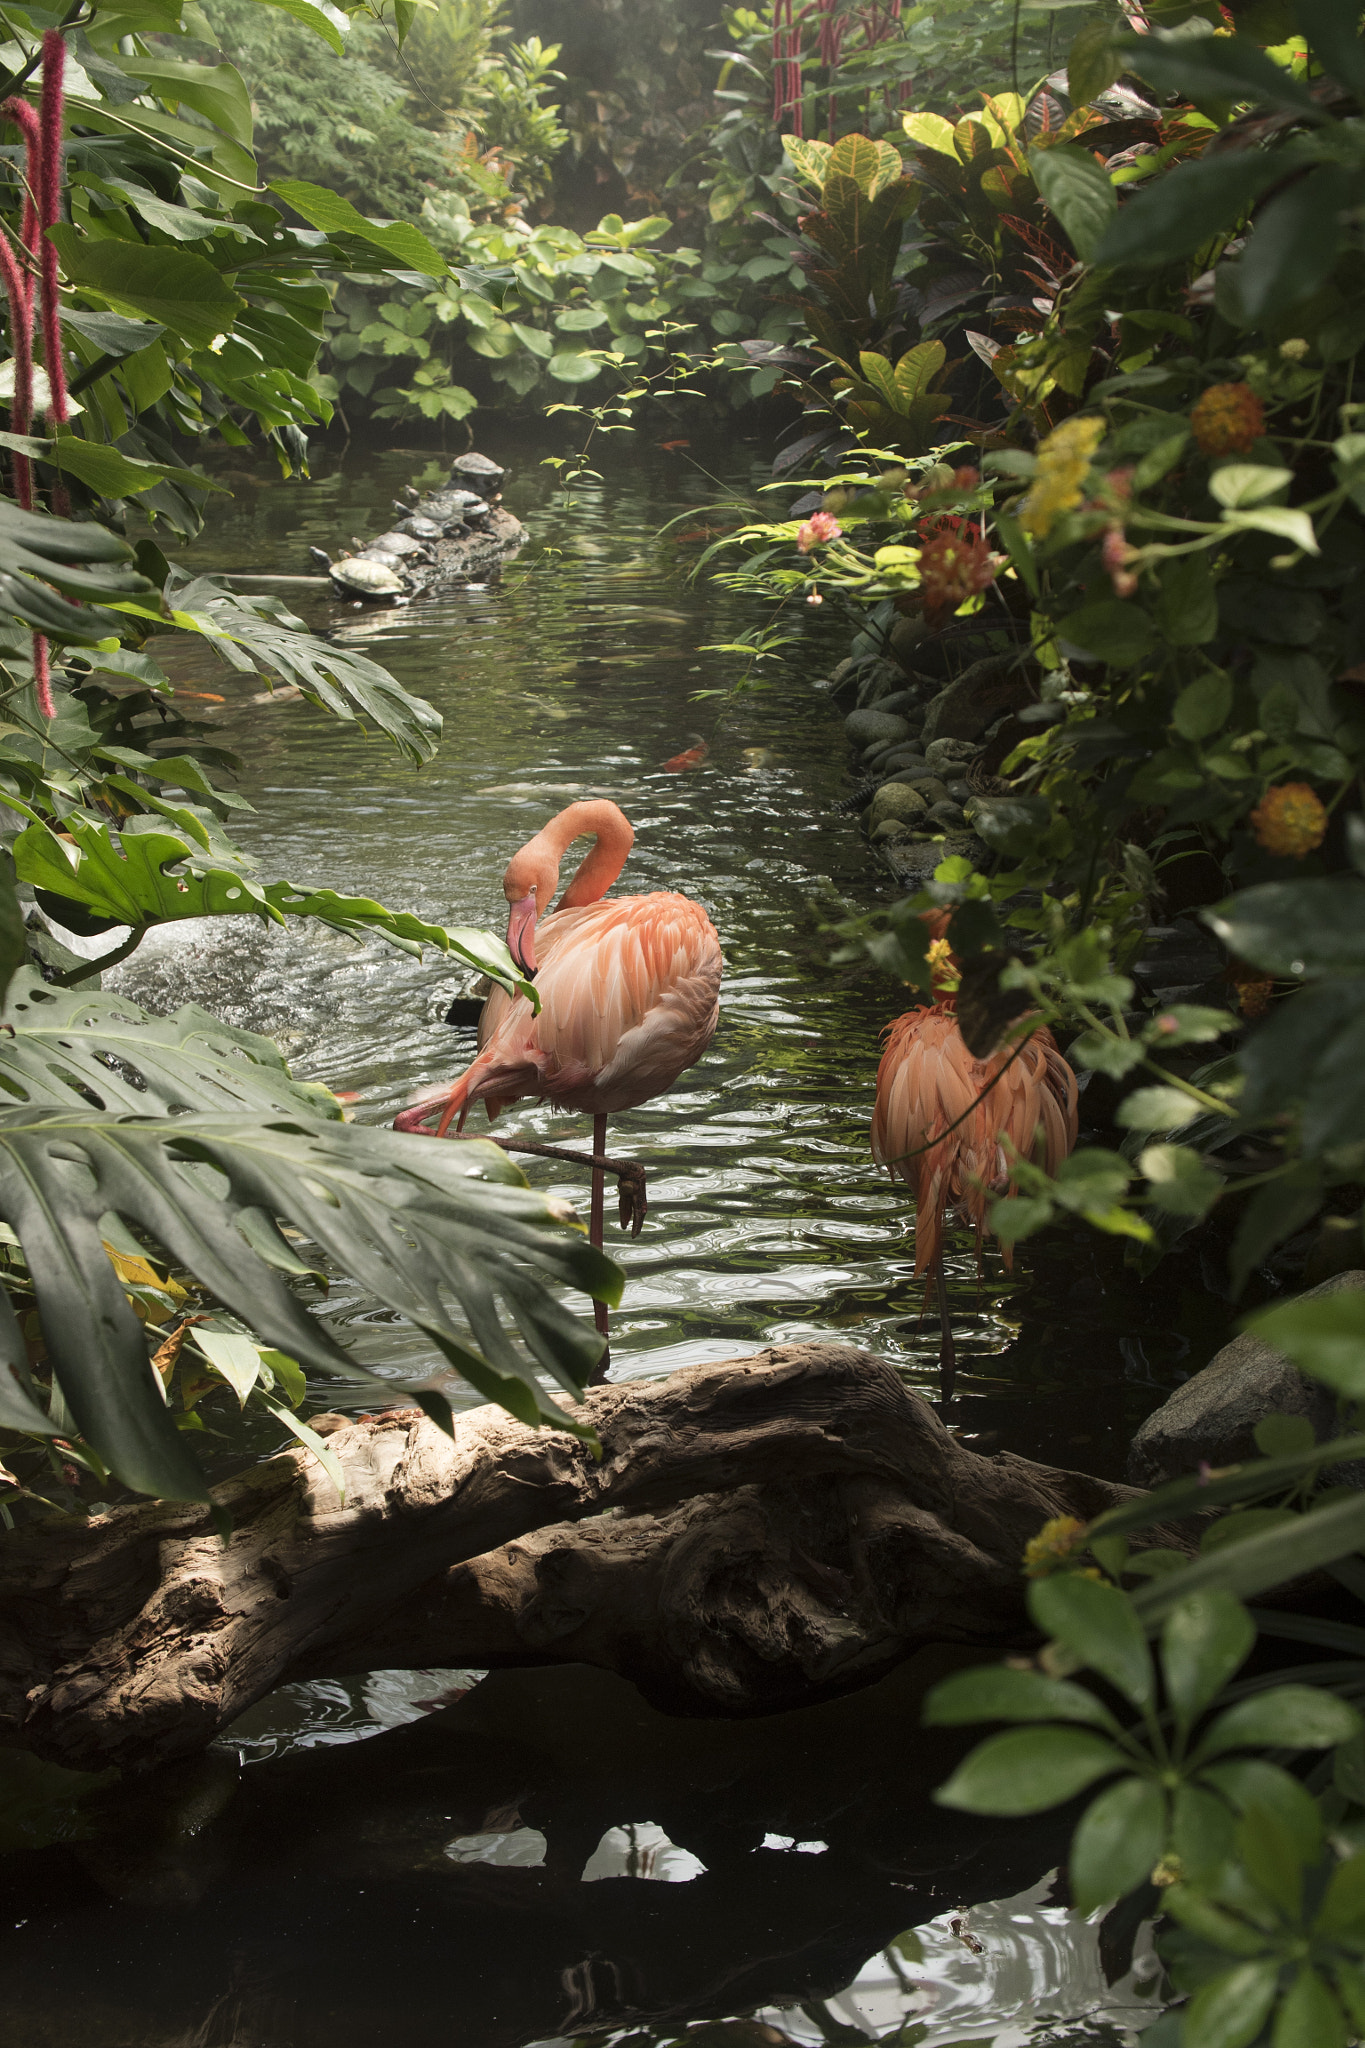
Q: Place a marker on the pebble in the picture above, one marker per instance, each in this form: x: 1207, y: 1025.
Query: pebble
x: 929, y: 786
x: 895, y: 801
x: 875, y: 728
x: 945, y: 755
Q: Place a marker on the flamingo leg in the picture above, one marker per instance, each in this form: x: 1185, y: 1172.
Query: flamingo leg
x: 595, y: 1219
x: 947, y: 1355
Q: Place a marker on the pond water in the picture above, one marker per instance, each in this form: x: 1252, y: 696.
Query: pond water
x: 421, y: 1857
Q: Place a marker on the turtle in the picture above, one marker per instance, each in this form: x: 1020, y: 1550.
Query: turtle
x: 477, y: 472
x: 363, y: 577
x: 401, y: 544
x: 418, y: 528
x: 453, y: 508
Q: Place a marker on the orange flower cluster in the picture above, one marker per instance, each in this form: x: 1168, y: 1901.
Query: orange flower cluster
x: 955, y: 563
x: 1227, y: 420
x: 1290, y: 818
x: 1254, y: 988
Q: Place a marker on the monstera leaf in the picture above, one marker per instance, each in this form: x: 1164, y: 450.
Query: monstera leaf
x: 60, y: 1049
x: 262, y: 634
x: 160, y: 872
x: 447, y: 1235
x: 40, y: 555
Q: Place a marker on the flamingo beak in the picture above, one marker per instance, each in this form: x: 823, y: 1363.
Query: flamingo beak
x: 521, y: 933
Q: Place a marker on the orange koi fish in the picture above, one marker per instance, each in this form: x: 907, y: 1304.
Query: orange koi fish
x: 693, y: 758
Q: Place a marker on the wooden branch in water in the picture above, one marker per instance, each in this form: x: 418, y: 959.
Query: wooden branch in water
x: 785, y: 1526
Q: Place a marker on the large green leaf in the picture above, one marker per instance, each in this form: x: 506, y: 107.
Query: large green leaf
x: 1324, y: 1337
x: 1029, y: 1769
x: 157, y: 873
x: 995, y: 1692
x: 265, y: 635
x: 1333, y: 28
x: 1311, y: 927
x: 1259, y: 1562
x: 62, y: 1049
x: 1206, y: 1639
x: 215, y: 91
x: 314, y: 18
x: 1173, y: 215
x: 105, y: 469
x: 429, y: 1229
x: 400, y: 241
x: 80, y: 558
x: 1120, y: 1838
x: 1078, y: 191
x: 1218, y: 67
x: 181, y: 290
x: 1287, y: 1717
x: 1096, y: 1622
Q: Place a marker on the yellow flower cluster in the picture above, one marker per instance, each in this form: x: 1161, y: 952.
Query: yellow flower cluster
x: 1291, y: 818
x: 1063, y: 464
x: 1055, y: 1546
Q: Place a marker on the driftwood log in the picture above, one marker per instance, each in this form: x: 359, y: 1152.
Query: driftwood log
x: 756, y: 1535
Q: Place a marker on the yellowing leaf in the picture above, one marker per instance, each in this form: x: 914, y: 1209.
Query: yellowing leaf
x: 930, y: 131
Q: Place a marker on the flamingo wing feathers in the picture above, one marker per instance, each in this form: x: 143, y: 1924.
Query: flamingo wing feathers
x: 629, y: 991
x: 929, y: 1086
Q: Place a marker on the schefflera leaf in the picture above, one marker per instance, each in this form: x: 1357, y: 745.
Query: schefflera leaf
x: 424, y: 1226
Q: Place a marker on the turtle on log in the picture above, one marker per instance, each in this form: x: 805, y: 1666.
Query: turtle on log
x: 454, y: 535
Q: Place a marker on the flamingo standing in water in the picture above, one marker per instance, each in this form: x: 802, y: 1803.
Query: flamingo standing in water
x: 942, y: 1117
x: 629, y: 992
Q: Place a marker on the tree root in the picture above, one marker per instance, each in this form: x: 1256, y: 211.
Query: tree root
x: 755, y: 1534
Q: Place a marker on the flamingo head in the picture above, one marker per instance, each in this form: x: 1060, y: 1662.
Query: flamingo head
x: 532, y: 874
x: 529, y: 885
x: 521, y: 931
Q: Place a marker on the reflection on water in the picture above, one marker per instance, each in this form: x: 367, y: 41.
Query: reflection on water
x: 548, y: 1860
x: 420, y: 1857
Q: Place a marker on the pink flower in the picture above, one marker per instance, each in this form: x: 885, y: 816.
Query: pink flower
x: 820, y: 527
x: 1116, y: 555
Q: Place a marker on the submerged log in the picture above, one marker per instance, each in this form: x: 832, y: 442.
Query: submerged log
x: 755, y: 1534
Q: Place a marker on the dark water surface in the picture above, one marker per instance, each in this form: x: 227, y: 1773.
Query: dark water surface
x: 544, y: 1858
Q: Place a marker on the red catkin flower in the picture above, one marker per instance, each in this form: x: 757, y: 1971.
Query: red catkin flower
x: 42, y: 133
x: 50, y: 211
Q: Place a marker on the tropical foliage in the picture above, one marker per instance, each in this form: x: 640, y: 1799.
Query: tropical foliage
x: 150, y: 1164
x: 1089, y: 441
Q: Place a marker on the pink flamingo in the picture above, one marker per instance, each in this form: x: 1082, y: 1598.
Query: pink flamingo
x: 629, y: 992
x: 942, y: 1119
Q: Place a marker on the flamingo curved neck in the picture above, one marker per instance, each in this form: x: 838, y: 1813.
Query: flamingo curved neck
x: 595, y: 874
